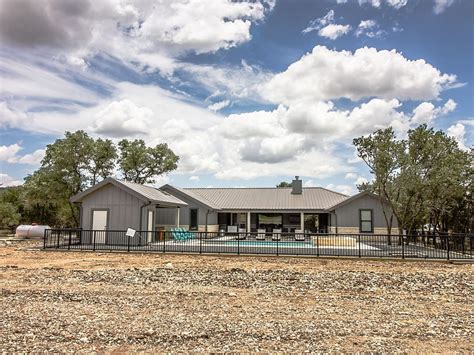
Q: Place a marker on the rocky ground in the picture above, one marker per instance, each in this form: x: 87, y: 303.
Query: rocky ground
x: 83, y: 301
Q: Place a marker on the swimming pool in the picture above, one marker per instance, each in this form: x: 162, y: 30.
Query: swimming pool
x: 256, y: 243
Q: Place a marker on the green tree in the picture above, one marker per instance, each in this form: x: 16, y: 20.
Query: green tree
x: 384, y: 156
x: 424, y: 178
x: 141, y: 164
x: 103, y: 158
x: 9, y: 216
x: 284, y: 184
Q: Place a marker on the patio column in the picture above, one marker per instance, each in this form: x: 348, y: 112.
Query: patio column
x: 302, y: 221
x: 248, y: 222
x: 176, y: 219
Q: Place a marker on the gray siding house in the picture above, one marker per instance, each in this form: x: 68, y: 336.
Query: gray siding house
x: 310, y: 209
x: 117, y: 205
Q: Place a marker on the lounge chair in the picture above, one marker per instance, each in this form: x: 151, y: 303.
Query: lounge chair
x: 260, y: 234
x: 242, y: 234
x: 231, y: 229
x: 276, y: 235
x: 299, y: 235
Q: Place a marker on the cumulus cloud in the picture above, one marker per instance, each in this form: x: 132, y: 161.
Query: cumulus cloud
x: 458, y: 131
x: 326, y: 27
x: 343, y: 189
x: 441, y: 5
x: 146, y: 31
x: 326, y: 74
x: 426, y: 112
x: 9, y: 153
x: 7, y: 180
x: 334, y: 31
x: 33, y: 158
x: 122, y: 119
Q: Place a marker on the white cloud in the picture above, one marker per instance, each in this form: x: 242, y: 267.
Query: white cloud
x: 343, y: 189
x: 334, y: 31
x: 6, y: 181
x: 426, y: 112
x: 397, y: 4
x: 33, y: 158
x: 370, y: 29
x: 361, y: 180
x: 218, y: 105
x: 9, y: 153
x: 441, y: 5
x: 12, y: 118
x: 146, y: 32
x: 351, y: 176
x: 458, y: 131
x: 326, y: 27
x: 122, y: 119
x: 194, y: 178
x: 326, y: 74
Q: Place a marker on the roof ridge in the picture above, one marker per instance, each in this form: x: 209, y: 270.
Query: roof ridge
x: 248, y: 188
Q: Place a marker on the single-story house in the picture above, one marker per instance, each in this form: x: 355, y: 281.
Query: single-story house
x: 117, y: 205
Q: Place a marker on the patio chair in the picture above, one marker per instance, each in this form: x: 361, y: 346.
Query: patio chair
x: 276, y: 235
x: 260, y: 234
x: 299, y: 235
x: 242, y: 234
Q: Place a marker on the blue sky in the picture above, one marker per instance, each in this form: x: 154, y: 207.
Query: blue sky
x: 248, y: 93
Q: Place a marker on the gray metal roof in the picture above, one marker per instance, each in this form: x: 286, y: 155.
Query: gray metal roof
x: 153, y: 194
x: 145, y: 193
x: 265, y: 199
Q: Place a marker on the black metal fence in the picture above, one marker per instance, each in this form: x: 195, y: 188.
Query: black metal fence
x: 446, y: 247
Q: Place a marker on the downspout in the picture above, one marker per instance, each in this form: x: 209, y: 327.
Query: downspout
x: 335, y: 217
x: 207, y: 215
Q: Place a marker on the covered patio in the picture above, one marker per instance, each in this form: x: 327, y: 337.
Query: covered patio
x: 287, y: 222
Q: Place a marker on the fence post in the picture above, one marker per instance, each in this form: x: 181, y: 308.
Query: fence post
x: 200, y: 242
x: 358, y: 242
x: 278, y: 244
x: 447, y: 246
x: 164, y: 241
x: 238, y: 244
x: 128, y: 243
x: 69, y: 244
x: 57, y: 245
x: 94, y: 233
x: 45, y: 235
x: 317, y: 245
x: 403, y: 246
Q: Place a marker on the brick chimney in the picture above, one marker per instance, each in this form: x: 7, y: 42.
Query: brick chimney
x: 297, y: 186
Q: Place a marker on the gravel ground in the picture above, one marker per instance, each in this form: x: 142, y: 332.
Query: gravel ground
x: 83, y: 302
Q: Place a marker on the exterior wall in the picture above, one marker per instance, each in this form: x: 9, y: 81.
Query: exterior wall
x: 348, y: 216
x: 123, y: 212
x: 166, y: 219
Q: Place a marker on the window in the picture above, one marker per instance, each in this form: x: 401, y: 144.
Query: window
x: 366, y: 222
x: 193, y: 219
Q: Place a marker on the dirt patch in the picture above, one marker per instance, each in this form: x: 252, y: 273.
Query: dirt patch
x: 82, y: 301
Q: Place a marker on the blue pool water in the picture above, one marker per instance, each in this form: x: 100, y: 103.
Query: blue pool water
x: 266, y: 244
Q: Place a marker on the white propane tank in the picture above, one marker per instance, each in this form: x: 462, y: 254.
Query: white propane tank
x: 31, y: 230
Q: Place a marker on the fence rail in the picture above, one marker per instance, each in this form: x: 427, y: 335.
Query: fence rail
x: 459, y: 246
